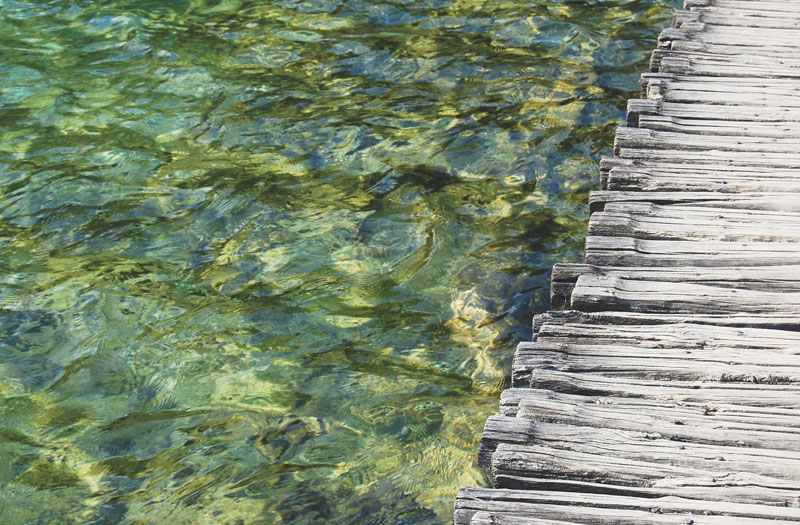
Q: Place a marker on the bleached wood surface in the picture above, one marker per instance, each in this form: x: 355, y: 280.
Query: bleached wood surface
x: 664, y: 386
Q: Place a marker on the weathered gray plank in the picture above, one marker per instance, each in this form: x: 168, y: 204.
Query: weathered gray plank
x: 747, y: 63
x: 501, y: 429
x: 654, y: 180
x: 655, y: 139
x: 733, y: 36
x: 627, y: 251
x: 708, y: 423
x: 596, y: 292
x: 719, y: 128
x: 531, y: 467
x: 685, y: 335
x: 714, y: 156
x: 641, y: 459
x: 490, y: 518
x: 708, y: 66
x: 740, y: 113
x: 588, y: 384
x: 649, y: 221
x: 655, y: 175
x: 612, y: 318
x: 737, y: 17
x: 669, y: 364
x: 764, y: 414
x: 596, y: 516
x: 662, y: 167
x: 772, y: 278
x: 733, y: 85
x: 728, y: 91
x: 586, y: 507
x: 783, y: 8
x: 761, y: 205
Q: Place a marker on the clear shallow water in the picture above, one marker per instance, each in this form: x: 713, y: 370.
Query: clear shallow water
x: 266, y: 262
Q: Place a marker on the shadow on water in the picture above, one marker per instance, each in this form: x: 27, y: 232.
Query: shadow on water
x: 267, y: 262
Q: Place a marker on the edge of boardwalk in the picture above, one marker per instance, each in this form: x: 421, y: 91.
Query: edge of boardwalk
x: 664, y: 386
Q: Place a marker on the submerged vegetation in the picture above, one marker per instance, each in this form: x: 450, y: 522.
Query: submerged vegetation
x: 266, y: 261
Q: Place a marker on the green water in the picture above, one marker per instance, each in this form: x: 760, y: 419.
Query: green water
x: 267, y: 262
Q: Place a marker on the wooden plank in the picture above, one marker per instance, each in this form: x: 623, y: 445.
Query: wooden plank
x: 561, y: 295
x: 717, y: 15
x: 737, y: 18
x: 624, y: 457
x: 749, y: 6
x: 659, y: 175
x: 728, y: 91
x: 557, y: 351
x: 741, y: 208
x: 731, y: 85
x: 515, y: 398
x: 743, y: 37
x: 650, y: 221
x: 678, y: 335
x: 501, y: 429
x: 490, y: 518
x: 655, y: 139
x: 586, y: 507
x: 595, y: 516
x: 739, y: 113
x: 715, y: 156
x: 751, y: 204
x: 616, y: 458
x: 588, y: 384
x: 623, y: 319
x: 627, y: 251
x: 720, y: 424
x: 709, y: 66
x: 678, y: 93
x: 686, y: 474
x: 644, y: 226
x: 719, y: 128
x: 662, y: 167
x: 594, y: 292
x: 730, y: 425
x: 768, y: 278
x: 748, y: 62
x: 733, y: 55
x: 653, y: 180
x: 674, y: 364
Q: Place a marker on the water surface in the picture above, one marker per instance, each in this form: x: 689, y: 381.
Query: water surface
x: 267, y: 261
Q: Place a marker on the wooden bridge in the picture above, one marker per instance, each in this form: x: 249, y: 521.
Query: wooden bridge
x: 664, y: 387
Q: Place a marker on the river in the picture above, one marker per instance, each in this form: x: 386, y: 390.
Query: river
x: 267, y: 261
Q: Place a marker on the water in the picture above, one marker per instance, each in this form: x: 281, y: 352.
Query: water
x: 266, y: 262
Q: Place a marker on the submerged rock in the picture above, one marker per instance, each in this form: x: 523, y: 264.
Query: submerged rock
x: 407, y: 422
x: 474, y: 326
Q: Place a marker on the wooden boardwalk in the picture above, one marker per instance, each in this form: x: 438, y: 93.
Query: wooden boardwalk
x: 664, y: 387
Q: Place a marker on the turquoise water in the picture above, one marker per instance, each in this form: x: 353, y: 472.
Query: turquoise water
x: 267, y: 262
